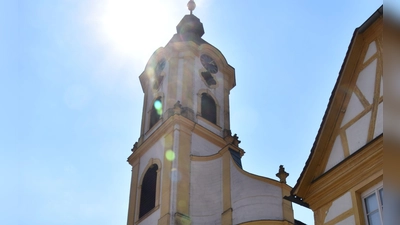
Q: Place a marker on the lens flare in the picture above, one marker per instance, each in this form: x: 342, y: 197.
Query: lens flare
x: 182, y: 203
x: 158, y: 106
x: 170, y: 155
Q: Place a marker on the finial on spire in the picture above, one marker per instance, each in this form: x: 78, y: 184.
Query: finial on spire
x: 282, y: 174
x: 191, y: 6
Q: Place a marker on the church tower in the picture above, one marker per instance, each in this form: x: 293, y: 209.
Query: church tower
x: 186, y: 165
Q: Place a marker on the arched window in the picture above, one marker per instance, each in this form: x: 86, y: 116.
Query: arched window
x: 148, y: 191
x: 156, y: 111
x: 208, y: 108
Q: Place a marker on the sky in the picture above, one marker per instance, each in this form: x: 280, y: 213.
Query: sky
x: 72, y: 100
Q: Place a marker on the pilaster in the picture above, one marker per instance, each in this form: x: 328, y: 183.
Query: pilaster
x: 172, y: 89
x: 226, y: 187
x: 133, y: 193
x: 187, y: 88
x: 166, y: 182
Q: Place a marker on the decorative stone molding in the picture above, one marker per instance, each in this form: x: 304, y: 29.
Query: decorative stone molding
x: 227, y: 133
x: 177, y: 108
x: 282, y: 174
x: 234, y: 140
x: 135, y: 146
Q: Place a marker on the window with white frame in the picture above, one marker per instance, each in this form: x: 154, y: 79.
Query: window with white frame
x: 373, y: 205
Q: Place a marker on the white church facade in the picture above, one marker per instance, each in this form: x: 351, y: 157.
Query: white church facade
x: 186, y: 165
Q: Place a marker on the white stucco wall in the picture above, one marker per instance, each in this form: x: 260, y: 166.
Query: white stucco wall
x: 358, y: 132
x: 366, y: 81
x: 339, y: 206
x: 254, y: 199
x: 337, y: 154
x: 206, y: 192
x: 371, y: 51
x: 151, y: 219
x: 353, y: 109
x: 202, y: 147
x: 155, y: 151
x: 209, y: 127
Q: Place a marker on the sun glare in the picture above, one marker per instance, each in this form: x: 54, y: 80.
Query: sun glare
x: 133, y: 27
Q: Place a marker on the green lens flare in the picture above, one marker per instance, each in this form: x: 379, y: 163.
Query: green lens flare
x: 170, y: 155
x: 158, y: 105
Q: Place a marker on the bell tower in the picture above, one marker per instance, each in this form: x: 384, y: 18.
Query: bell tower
x: 187, y: 73
x: 186, y: 165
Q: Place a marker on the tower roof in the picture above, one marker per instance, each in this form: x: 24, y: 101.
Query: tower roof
x: 190, y: 24
x: 189, y: 28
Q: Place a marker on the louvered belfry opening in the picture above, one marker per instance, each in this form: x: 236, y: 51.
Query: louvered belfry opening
x: 155, y: 113
x: 148, y: 191
x: 208, y: 78
x: 208, y: 108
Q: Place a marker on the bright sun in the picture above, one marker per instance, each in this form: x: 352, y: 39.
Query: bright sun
x: 134, y: 27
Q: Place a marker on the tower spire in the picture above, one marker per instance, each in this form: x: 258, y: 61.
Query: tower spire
x: 191, y: 6
x: 190, y: 27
